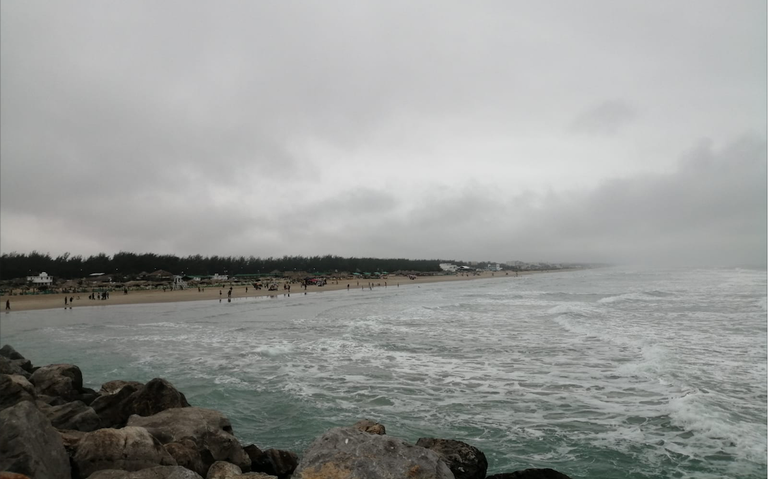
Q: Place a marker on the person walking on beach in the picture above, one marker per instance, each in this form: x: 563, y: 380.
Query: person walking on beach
x: 65, y: 302
x: 8, y: 305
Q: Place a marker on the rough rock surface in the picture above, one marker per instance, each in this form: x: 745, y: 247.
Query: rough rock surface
x: 30, y: 445
x: 465, y: 461
x: 73, y: 415
x: 15, y: 388
x: 63, y: 380
x: 111, y: 407
x: 127, y: 449
x: 366, y: 425
x: 154, y: 397
x: 272, y: 461
x: 210, y: 430
x: 12, y: 475
x: 186, y: 455
x: 223, y: 470
x: 112, y: 387
x: 7, y: 351
x: 348, y: 453
x: 11, y: 367
x: 531, y: 474
x: 158, y: 472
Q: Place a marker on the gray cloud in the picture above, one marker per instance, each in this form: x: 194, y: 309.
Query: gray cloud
x: 606, y: 118
x: 381, y: 129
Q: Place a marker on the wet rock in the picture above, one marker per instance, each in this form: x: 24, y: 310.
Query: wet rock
x: 465, y: 461
x: 186, y: 455
x: 24, y: 364
x: 63, y: 380
x: 127, y: 449
x: 113, y: 387
x: 154, y: 397
x: 7, y: 351
x: 158, y: 472
x: 352, y: 454
x: 15, y: 388
x: 531, y: 474
x: 30, y: 445
x: 10, y: 367
x: 73, y: 415
x: 366, y: 425
x: 210, y: 430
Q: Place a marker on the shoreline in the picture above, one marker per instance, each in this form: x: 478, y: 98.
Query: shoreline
x: 212, y: 293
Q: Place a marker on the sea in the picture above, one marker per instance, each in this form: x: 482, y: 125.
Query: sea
x: 602, y: 373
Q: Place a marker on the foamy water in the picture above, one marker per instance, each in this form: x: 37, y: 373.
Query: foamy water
x: 601, y: 374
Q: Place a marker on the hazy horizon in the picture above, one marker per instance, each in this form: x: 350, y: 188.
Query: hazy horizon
x: 597, y: 132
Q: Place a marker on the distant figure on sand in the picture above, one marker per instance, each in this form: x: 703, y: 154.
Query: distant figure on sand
x: 65, y: 301
x: 8, y: 305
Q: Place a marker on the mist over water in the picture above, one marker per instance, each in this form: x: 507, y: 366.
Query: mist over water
x: 599, y: 374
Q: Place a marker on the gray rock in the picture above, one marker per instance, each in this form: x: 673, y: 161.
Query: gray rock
x: 531, y: 474
x: 158, y: 472
x: 366, y: 425
x: 113, y: 387
x: 7, y: 351
x: 154, y: 397
x: 465, y: 461
x: 352, y: 454
x: 63, y: 380
x: 30, y: 445
x: 14, y: 389
x: 186, y: 455
x: 24, y: 364
x: 73, y: 415
x: 10, y: 367
x: 127, y: 449
x: 274, y: 461
x: 111, y: 407
x: 223, y: 470
x: 210, y: 430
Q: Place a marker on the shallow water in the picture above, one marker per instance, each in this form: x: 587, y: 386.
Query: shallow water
x: 599, y: 374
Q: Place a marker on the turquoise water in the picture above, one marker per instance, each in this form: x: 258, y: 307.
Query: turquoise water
x: 608, y: 373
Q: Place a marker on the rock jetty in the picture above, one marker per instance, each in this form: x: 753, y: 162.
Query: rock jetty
x: 51, y: 427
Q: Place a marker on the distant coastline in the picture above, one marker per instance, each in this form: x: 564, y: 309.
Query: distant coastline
x: 28, y: 302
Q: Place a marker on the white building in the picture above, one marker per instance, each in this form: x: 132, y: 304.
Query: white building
x: 448, y: 267
x: 42, y: 279
x: 219, y: 277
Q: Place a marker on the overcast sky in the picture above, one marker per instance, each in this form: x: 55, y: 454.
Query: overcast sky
x: 628, y: 131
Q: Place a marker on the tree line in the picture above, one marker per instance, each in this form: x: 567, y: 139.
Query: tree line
x: 124, y: 264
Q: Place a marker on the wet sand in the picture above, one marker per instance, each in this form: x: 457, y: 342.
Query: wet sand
x: 54, y: 301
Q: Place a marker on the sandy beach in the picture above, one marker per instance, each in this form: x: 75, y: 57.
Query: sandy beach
x: 53, y: 301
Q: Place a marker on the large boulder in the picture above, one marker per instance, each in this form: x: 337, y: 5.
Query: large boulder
x: 158, y: 472
x: 73, y: 415
x: 465, y: 461
x: 530, y: 474
x: 210, y: 430
x: 62, y: 380
x: 111, y: 408
x: 14, y: 389
x: 30, y: 445
x: 154, y: 397
x: 8, y: 366
x: 7, y: 351
x: 352, y: 454
x: 113, y: 387
x: 127, y: 449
